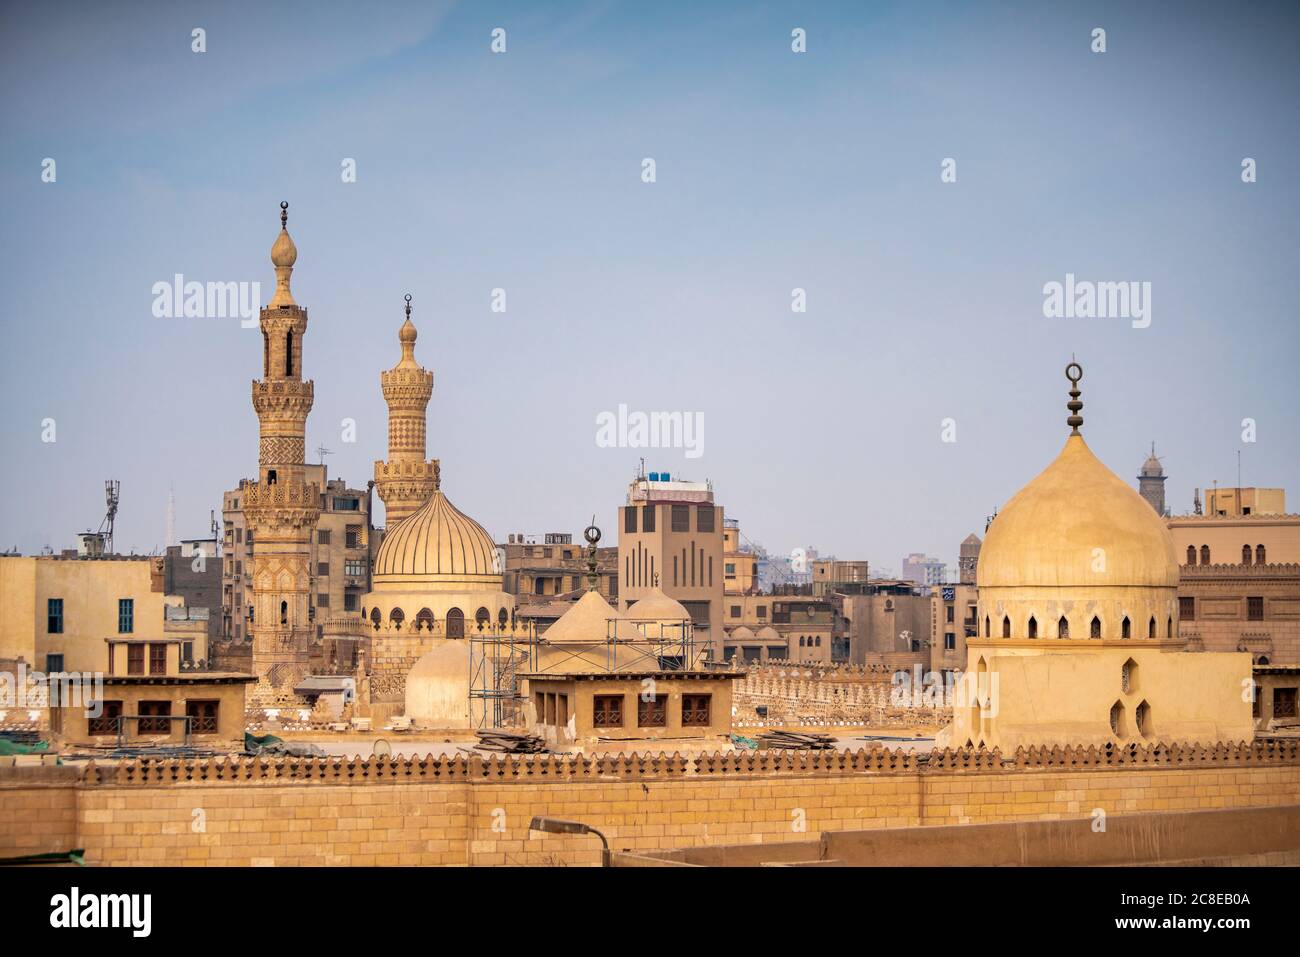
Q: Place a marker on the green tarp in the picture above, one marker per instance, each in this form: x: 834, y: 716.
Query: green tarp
x: 8, y: 747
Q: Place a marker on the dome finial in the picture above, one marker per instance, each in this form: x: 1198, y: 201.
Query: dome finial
x: 1074, y: 372
x: 406, y: 336
x: 283, y: 255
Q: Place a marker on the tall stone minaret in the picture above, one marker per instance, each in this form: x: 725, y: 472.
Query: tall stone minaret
x: 1151, y: 482
x: 407, y: 479
x: 281, y: 507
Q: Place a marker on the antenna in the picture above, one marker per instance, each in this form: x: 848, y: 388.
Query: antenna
x: 106, y: 526
x: 322, y: 452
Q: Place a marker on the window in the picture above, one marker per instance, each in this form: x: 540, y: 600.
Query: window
x: 323, y: 600
x: 1284, y: 702
x: 154, y: 717
x: 322, y: 569
x: 648, y: 518
x: 729, y: 569
x: 949, y: 615
x: 1033, y: 627
x: 1245, y: 554
x: 1142, y: 717
x: 695, y: 710
x: 735, y: 611
x: 1186, y: 608
x: 352, y: 536
x: 157, y: 658
x: 607, y: 710
x: 135, y: 658
x: 1094, y: 630
x: 347, y: 504
x: 53, y: 664
x: 54, y: 623
x: 1006, y: 627
x: 1151, y: 628
x: 652, y: 713
x: 1063, y: 628
x: 1128, y: 676
x: 762, y: 611
x: 1126, y: 629
x: 1205, y: 554
x: 1259, y: 555
x: 1255, y: 609
x: 987, y: 623
x: 455, y: 623
x: 629, y: 519
x: 203, y: 716
x: 704, y: 516
x: 354, y: 567
x: 106, y: 722
x: 1191, y: 554
x: 125, y: 616
x: 323, y: 536
x: 350, y: 601
x: 396, y: 617
x: 949, y: 641
x: 681, y: 519
x: 284, y: 613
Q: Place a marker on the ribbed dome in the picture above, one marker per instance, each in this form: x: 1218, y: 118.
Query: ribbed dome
x: 1048, y: 534
x: 438, y: 541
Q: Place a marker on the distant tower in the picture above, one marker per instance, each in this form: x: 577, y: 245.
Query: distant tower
x: 406, y: 480
x: 1151, y: 482
x: 281, y: 507
x: 968, y: 558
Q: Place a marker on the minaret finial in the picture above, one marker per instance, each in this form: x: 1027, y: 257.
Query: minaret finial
x: 1074, y: 372
x: 408, y: 305
x: 592, y: 535
x: 283, y: 255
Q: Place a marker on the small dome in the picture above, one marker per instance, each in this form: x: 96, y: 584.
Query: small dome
x: 656, y: 606
x: 407, y: 333
x: 438, y: 687
x: 1152, y: 466
x: 741, y: 633
x: 284, y: 252
x: 438, y: 541
x: 587, y: 622
x: 1077, y: 524
x: 768, y: 633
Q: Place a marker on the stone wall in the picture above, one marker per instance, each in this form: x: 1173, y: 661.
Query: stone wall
x: 472, y: 810
x: 832, y: 696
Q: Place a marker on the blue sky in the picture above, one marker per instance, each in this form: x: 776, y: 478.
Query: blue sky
x: 775, y: 170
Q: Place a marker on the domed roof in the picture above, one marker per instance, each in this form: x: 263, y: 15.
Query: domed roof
x: 768, y: 633
x: 587, y: 622
x: 656, y: 606
x: 1050, y: 532
x: 741, y: 633
x: 1152, y: 466
x: 437, y: 540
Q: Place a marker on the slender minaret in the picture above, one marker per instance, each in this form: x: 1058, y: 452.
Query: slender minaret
x: 407, y: 479
x: 281, y: 507
x: 1151, y: 482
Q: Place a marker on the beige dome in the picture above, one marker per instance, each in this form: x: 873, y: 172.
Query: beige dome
x: 1049, y: 534
x: 768, y: 633
x: 438, y: 542
x: 656, y: 606
x: 586, y: 622
x: 741, y: 633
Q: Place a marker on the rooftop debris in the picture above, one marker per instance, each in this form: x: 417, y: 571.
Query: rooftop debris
x: 796, y: 741
x: 510, y: 742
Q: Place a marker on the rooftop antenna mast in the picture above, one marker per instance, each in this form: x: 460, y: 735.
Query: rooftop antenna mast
x: 322, y: 452
x: 111, y: 498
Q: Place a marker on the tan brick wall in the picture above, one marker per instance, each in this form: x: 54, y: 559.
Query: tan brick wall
x: 457, y: 811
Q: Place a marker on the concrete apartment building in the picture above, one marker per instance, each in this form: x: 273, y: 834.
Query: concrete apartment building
x: 670, y: 534
x: 779, y: 627
x: 740, y: 563
x: 555, y: 566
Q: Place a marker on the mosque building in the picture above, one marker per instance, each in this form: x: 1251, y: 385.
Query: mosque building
x: 1078, y: 635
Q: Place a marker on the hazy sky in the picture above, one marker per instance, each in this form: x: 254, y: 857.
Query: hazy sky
x: 775, y: 170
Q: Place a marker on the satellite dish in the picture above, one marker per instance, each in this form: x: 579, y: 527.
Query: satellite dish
x: 382, y: 749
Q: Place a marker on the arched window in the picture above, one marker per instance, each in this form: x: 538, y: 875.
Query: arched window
x: 266, y: 355
x: 376, y: 618
x: 1142, y: 717
x: 284, y: 613
x: 288, y: 352
x: 1126, y: 629
x: 396, y: 617
x: 455, y: 623
x: 986, y: 627
x: 801, y: 641
x: 1033, y: 627
x: 1191, y: 554
x: 1117, y: 720
x: 502, y: 617
x: 1094, y: 630
x: 482, y: 618
x: 1169, y: 627
x: 1063, y: 628
x: 1128, y: 676
x: 819, y: 641
x: 424, y: 620
x: 1245, y: 554
x: 1006, y: 627
x: 1151, y: 628
x: 1205, y: 554
x: 1259, y: 555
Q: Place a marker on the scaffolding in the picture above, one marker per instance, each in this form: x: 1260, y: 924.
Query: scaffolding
x: 498, y: 654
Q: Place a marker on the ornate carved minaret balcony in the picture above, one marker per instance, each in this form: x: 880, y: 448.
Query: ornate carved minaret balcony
x: 281, y: 507
x: 407, y: 479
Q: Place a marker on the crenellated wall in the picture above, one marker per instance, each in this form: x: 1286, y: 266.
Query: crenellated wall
x: 472, y: 810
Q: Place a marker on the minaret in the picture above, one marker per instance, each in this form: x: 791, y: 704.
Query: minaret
x: 1151, y: 482
x: 406, y: 480
x: 281, y: 507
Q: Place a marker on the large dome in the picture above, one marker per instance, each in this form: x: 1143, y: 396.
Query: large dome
x: 1077, y: 524
x: 440, y: 543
